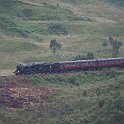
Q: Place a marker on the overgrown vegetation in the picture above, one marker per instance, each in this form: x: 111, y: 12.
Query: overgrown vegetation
x: 90, y: 97
x: 89, y: 55
x: 57, y: 29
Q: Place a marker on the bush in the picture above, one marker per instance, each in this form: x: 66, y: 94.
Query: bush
x: 69, y: 121
x: 89, y: 55
x: 74, y: 18
x: 101, y: 103
x: 98, y: 91
x: 84, y: 93
x: 49, y: 17
x: 117, y: 117
x: 7, y: 3
x: 57, y: 29
x: 115, y: 103
x: 27, y: 12
x: 72, y: 80
x: 6, y: 22
x: 100, y: 121
x: 79, y: 57
x: 17, y: 32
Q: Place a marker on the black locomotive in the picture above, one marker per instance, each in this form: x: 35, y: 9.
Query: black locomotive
x: 65, y: 66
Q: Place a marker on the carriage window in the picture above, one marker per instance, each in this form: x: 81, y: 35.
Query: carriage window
x: 119, y: 61
x: 92, y: 63
x: 67, y: 64
x: 77, y: 64
x: 83, y: 63
x: 86, y: 63
x: 73, y: 64
x: 122, y: 60
x: 110, y: 62
x: 115, y: 61
x: 100, y: 62
x: 104, y: 62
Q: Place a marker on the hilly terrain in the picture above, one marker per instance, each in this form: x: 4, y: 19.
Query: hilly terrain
x: 81, y: 27
x: 27, y: 28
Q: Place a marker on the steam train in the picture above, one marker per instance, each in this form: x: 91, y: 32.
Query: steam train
x: 65, y: 66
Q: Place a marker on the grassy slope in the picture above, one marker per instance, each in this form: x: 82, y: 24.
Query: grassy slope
x: 90, y: 97
x: 85, y: 97
x: 28, y: 21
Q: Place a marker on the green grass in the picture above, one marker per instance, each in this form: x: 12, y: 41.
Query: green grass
x: 96, y: 98
x: 84, y: 37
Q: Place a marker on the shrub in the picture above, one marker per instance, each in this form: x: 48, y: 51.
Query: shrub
x: 49, y: 17
x: 27, y: 12
x: 74, y: 18
x: 101, y: 103
x: 57, y: 29
x: 117, y: 117
x: 84, y: 93
x: 17, y: 32
x: 80, y: 57
x: 115, y: 103
x: 98, y: 91
x: 89, y: 55
x: 69, y: 121
x: 6, y: 22
x: 72, y: 80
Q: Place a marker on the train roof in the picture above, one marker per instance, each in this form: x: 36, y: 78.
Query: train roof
x: 92, y: 60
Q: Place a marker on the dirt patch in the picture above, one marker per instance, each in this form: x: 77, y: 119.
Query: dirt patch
x: 103, y: 20
x: 20, y: 97
x: 6, y: 72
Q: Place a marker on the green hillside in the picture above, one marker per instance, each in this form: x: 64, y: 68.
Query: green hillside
x: 83, y: 97
x: 87, y: 24
x: 81, y: 26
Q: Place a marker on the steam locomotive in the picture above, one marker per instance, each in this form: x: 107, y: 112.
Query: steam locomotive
x: 65, y: 66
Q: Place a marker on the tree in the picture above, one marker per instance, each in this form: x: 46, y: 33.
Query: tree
x: 111, y: 39
x: 57, y: 4
x: 104, y: 44
x: 54, y: 45
x: 115, y: 46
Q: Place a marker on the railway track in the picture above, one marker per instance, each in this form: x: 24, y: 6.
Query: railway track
x: 6, y: 72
